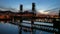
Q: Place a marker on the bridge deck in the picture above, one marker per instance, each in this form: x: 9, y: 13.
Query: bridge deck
x: 37, y: 26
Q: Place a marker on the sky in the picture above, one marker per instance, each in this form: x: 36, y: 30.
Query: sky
x: 27, y: 4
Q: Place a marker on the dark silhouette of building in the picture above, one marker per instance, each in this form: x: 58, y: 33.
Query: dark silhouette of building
x: 33, y: 7
x: 21, y: 8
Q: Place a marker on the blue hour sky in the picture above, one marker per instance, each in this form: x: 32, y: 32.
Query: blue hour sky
x: 27, y: 4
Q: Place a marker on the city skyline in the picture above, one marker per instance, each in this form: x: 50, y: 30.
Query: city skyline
x: 41, y: 5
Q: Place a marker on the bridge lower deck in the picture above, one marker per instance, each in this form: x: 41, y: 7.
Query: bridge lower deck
x: 37, y: 25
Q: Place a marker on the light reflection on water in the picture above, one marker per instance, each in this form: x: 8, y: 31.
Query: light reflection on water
x: 50, y: 24
x: 6, y: 28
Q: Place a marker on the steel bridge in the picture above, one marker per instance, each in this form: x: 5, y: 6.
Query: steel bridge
x: 32, y: 26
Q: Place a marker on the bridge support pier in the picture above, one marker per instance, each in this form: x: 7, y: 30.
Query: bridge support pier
x: 32, y: 19
x: 21, y: 9
x: 20, y: 27
x: 32, y: 27
x: 56, y: 24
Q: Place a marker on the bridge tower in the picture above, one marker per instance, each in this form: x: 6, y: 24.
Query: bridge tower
x: 21, y: 10
x: 59, y: 23
x: 56, y: 23
x: 33, y: 10
x: 32, y: 19
x: 20, y: 27
x: 21, y: 7
x: 33, y: 7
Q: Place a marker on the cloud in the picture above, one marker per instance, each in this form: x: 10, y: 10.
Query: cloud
x: 8, y: 9
x: 54, y: 11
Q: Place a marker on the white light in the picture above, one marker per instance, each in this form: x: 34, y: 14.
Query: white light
x: 43, y: 12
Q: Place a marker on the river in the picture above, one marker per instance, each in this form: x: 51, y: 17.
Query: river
x: 7, y: 28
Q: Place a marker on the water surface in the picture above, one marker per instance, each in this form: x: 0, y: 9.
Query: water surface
x: 7, y: 28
